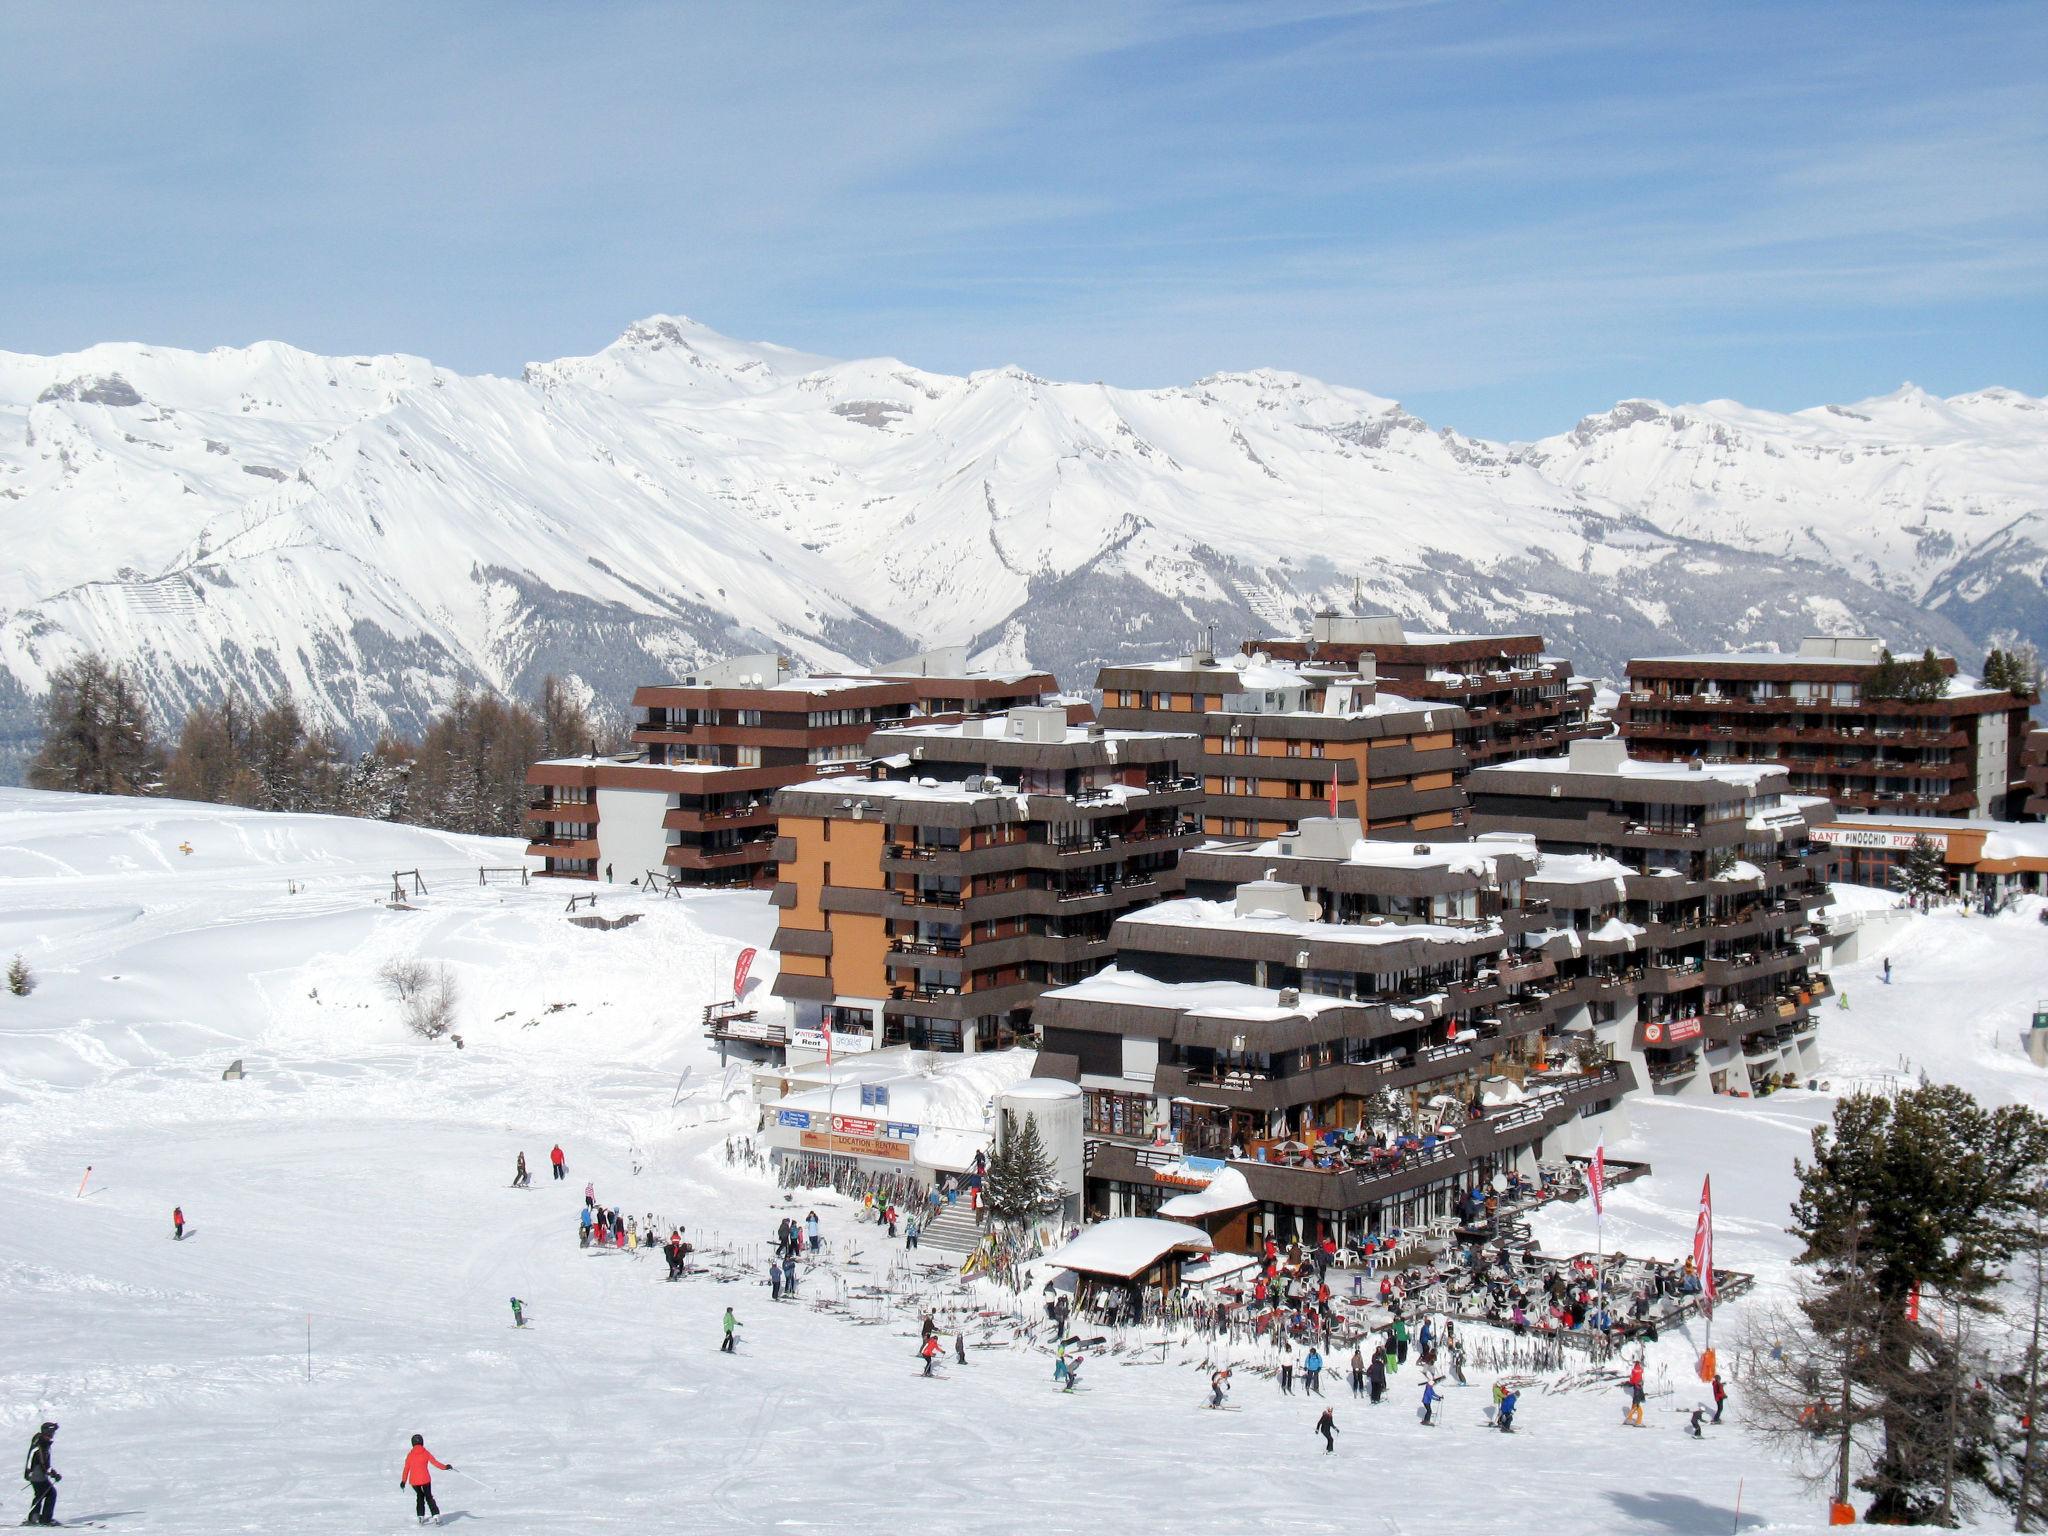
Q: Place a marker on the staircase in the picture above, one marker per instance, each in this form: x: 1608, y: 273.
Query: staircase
x: 954, y: 1229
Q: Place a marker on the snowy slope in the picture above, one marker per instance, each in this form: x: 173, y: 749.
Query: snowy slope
x: 375, y: 532
x: 357, y: 1179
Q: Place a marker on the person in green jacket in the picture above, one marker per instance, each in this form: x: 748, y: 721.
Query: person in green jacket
x: 731, y: 1322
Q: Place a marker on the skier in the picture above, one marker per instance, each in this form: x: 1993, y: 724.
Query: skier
x: 1887, y: 970
x: 1326, y: 1426
x: 561, y: 1163
x: 518, y: 1313
x: 960, y: 1348
x: 1493, y: 1407
x: 178, y: 1222
x: 731, y: 1322
x: 1060, y: 1369
x: 1429, y: 1400
x: 590, y: 1193
x: 419, y: 1477
x: 774, y: 1281
x: 1357, y: 1372
x: 1312, y: 1373
x: 1219, y: 1384
x: 520, y: 1177
x: 1505, y: 1419
x: 41, y: 1477
x: 910, y: 1235
x: 1073, y: 1373
x: 1692, y: 1422
x: 1376, y: 1375
x: 585, y: 1228
x: 811, y: 1230
x: 1633, y: 1414
x: 1286, y: 1368
x: 789, y: 1277
x: 930, y: 1351
x: 1720, y: 1397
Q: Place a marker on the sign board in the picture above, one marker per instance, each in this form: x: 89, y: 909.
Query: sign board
x: 1862, y: 837
x: 842, y: 1043
x: 1673, y: 1031
x: 874, y: 1096
x: 856, y: 1146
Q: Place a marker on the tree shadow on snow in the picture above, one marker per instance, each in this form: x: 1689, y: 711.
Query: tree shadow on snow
x: 1681, y: 1513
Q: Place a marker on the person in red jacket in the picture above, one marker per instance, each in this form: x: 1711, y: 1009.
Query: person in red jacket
x: 561, y: 1163
x: 930, y: 1351
x: 420, y: 1480
x: 178, y: 1222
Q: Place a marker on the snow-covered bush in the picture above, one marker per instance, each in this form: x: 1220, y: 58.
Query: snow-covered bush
x: 19, y: 980
x: 426, y: 995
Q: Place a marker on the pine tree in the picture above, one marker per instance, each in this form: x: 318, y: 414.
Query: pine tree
x: 1020, y: 1182
x: 1905, y: 1200
x: 19, y: 979
x: 1884, y: 679
x: 1923, y: 873
x: 96, y: 734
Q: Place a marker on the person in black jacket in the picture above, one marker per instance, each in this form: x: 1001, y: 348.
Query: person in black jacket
x: 42, y: 1478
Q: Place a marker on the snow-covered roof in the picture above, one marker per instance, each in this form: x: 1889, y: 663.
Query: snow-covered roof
x: 925, y: 791
x: 1578, y: 869
x: 1049, y: 1088
x: 952, y: 1095
x: 1212, y: 999
x: 1128, y: 1246
x: 1477, y: 857
x: 1748, y: 775
x: 1228, y: 1191
x: 1193, y: 912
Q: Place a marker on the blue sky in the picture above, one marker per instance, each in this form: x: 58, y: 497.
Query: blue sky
x: 1505, y: 215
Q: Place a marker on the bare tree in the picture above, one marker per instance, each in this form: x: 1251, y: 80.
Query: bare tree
x: 1803, y: 1366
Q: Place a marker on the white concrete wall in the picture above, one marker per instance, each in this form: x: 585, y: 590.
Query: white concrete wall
x: 1993, y: 743
x: 630, y: 836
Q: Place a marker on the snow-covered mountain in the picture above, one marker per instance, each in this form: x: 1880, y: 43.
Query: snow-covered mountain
x: 376, y: 531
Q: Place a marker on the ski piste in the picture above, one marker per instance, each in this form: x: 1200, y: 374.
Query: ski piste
x: 381, y: 1250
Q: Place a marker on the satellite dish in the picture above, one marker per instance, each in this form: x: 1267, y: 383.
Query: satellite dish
x: 1500, y: 1184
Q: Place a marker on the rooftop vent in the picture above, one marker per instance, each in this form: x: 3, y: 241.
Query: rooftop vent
x: 1290, y: 997
x: 1607, y: 755
x: 1038, y: 723
x: 1422, y: 850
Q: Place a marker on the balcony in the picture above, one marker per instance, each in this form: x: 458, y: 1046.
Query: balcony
x: 579, y: 812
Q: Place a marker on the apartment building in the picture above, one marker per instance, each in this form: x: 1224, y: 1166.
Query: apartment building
x: 1357, y: 1030
x: 1518, y: 702
x: 1285, y: 741
x: 928, y: 900
x: 2034, y: 765
x: 1870, y: 737
x: 693, y: 803
x: 1689, y: 888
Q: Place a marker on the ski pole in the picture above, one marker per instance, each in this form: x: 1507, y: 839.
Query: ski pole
x: 477, y: 1480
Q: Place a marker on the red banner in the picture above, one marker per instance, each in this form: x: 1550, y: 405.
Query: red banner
x: 1703, y: 1241
x: 1596, y: 1177
x: 739, y: 973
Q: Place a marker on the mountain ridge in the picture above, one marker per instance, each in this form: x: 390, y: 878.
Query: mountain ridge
x: 375, y: 532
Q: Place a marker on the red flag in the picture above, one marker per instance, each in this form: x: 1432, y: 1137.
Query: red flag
x: 1913, y: 1305
x: 739, y: 973
x: 1703, y: 1241
x: 1333, y: 793
x: 1596, y: 1177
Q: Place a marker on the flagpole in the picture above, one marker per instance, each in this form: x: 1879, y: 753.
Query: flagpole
x: 1598, y: 1181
